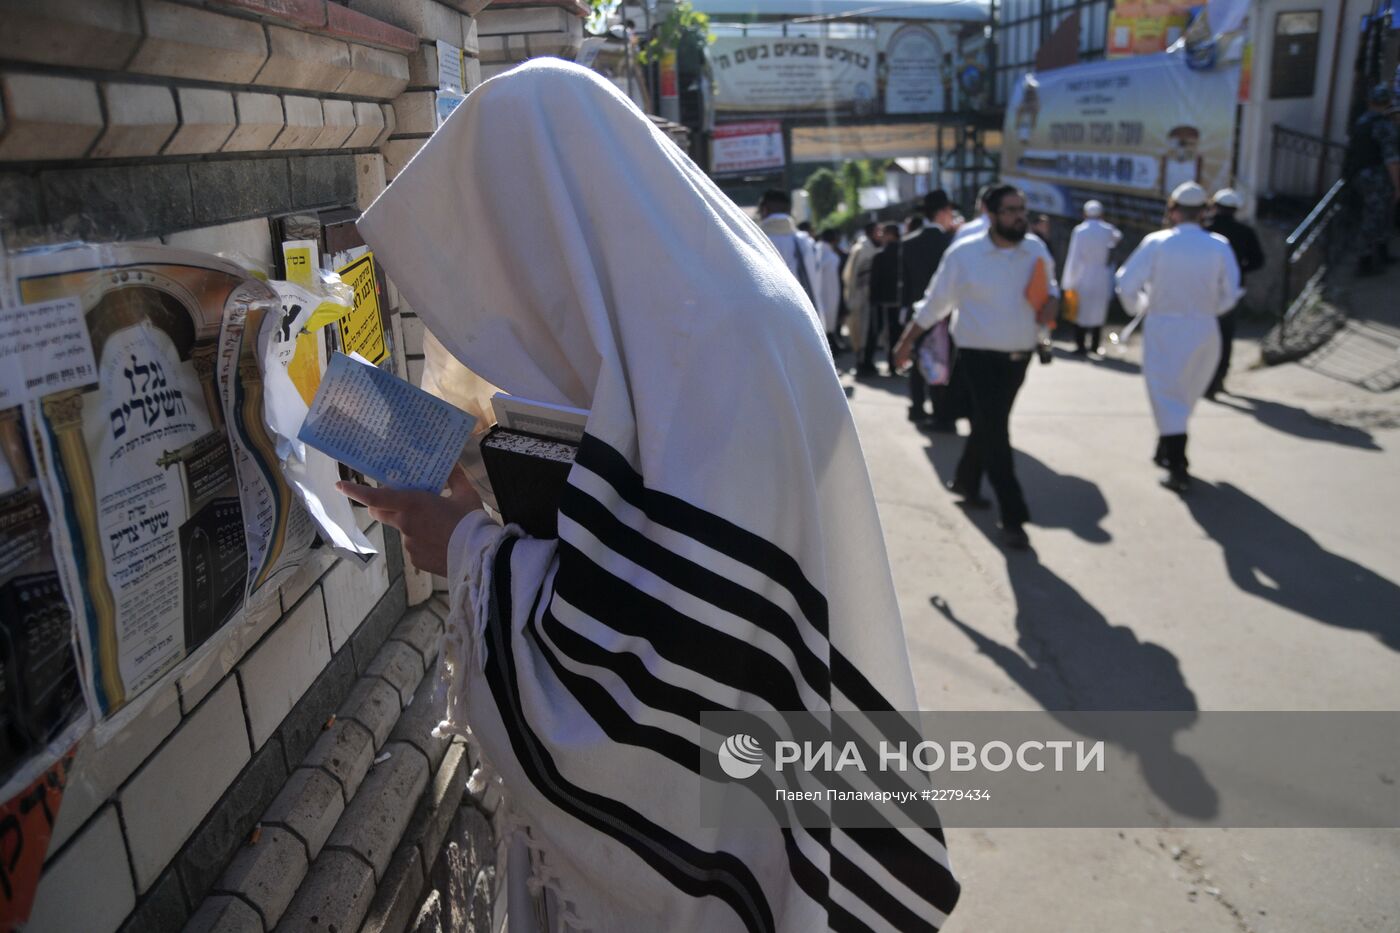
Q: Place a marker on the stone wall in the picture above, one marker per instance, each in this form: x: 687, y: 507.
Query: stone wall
x: 289, y: 780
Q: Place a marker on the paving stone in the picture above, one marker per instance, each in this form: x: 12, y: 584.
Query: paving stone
x: 309, y: 804
x: 434, y: 814
x: 322, y: 181
x: 207, y: 120
x: 267, y: 872
x: 519, y: 20
x: 401, y: 666
x: 416, y: 112
x: 375, y: 705
x: 213, y: 845
x: 305, y: 120
x: 48, y: 117
x: 346, y: 751
x: 307, y: 720
x: 416, y: 724
x: 471, y: 35
x: 389, y: 125
x: 375, y: 73
x: 375, y: 821
x: 424, y: 18
x: 307, y: 14
x: 370, y: 184
x: 238, y: 188
x: 423, y: 630
x: 303, y: 61
x: 397, y: 895
x: 260, y: 121
x: 224, y: 915
x: 340, y: 123
x: 369, y: 123
x: 140, y: 118
x: 162, y: 910
x: 77, y: 33
x: 471, y: 73
x: 185, y: 42
x: 336, y: 895
x: 379, y: 624
x: 345, y: 23
x: 423, y: 67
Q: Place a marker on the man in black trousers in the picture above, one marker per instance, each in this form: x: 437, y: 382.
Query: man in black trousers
x: 1249, y: 254
x: 923, y: 250
x: 885, y: 296
x: 999, y: 283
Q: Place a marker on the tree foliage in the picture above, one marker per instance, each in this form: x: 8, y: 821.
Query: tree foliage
x: 825, y: 191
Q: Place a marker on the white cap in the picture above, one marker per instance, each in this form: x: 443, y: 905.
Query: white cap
x: 1189, y: 194
x: 1228, y: 197
x: 1093, y: 209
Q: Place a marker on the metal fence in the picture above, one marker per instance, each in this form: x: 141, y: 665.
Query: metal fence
x: 1302, y: 166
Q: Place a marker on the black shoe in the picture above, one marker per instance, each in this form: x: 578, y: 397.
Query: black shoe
x: 918, y: 415
x: 1013, y: 537
x: 1177, y: 481
x: 969, y: 500
x: 937, y: 426
x: 865, y: 370
x: 1080, y: 351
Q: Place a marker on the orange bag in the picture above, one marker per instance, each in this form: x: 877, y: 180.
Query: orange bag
x: 1069, y: 305
x: 1038, y: 291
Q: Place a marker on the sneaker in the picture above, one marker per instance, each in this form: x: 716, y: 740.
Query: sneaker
x: 1013, y: 537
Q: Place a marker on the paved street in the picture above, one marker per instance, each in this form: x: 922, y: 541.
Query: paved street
x: 1272, y: 586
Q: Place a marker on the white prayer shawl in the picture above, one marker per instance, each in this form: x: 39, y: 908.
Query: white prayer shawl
x: 1087, y: 270
x: 719, y: 546
x: 975, y: 227
x: 856, y: 276
x: 1182, y: 279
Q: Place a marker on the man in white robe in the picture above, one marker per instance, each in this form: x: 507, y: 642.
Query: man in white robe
x: 1181, y: 279
x: 1089, y: 275
x: 855, y: 278
x: 829, y: 283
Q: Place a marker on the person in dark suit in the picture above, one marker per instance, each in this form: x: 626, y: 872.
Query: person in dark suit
x: 1249, y: 254
x: 885, y: 292
x: 922, y: 252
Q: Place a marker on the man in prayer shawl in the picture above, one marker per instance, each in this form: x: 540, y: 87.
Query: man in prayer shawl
x: 718, y: 543
x: 1182, y: 279
x: 829, y: 283
x: 798, y: 249
x: 1089, y: 275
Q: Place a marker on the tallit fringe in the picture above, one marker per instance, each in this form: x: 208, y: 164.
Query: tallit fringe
x: 542, y: 877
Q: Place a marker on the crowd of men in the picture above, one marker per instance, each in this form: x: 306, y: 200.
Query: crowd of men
x: 975, y: 300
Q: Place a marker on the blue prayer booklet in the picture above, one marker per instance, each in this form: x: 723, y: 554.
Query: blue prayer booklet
x: 388, y: 429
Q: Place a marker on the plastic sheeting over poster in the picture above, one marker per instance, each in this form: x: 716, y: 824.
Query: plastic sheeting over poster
x: 1136, y: 127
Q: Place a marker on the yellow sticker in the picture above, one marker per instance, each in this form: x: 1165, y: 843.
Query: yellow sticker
x: 362, y: 330
x: 305, y: 368
x: 300, y: 268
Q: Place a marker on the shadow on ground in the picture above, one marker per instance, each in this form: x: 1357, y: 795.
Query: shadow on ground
x: 1269, y: 557
x: 1299, y: 422
x: 1068, y: 657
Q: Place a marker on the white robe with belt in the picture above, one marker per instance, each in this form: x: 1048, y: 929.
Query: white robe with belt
x: 1182, y: 279
x: 1087, y: 271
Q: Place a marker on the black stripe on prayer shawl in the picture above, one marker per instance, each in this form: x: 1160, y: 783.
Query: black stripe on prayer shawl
x: 894, y: 852
x: 698, y: 581
x: 688, y: 868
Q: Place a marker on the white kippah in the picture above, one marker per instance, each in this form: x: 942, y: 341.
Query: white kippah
x: 1189, y: 194
x: 1093, y: 209
x: 1228, y: 197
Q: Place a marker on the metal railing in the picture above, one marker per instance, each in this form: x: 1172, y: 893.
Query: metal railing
x: 1302, y: 166
x: 1312, y: 250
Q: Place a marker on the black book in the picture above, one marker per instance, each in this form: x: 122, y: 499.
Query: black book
x: 527, y: 473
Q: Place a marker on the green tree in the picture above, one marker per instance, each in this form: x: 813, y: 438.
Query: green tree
x: 825, y: 190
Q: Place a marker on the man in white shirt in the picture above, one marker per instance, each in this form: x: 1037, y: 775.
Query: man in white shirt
x: 981, y: 223
x: 1182, y: 279
x: 798, y: 249
x: 987, y: 284
x: 1089, y: 275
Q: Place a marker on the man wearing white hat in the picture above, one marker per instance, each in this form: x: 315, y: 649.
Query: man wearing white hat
x: 1248, y: 253
x: 1089, y: 275
x: 1181, y: 279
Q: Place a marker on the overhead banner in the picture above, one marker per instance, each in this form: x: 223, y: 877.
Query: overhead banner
x: 782, y: 75
x: 869, y: 141
x: 751, y: 146
x: 1136, y: 127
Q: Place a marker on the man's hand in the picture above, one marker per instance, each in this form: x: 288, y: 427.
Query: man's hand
x: 904, y: 349
x: 425, y: 520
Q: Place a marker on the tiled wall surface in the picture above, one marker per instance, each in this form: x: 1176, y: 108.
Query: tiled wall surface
x: 290, y: 775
